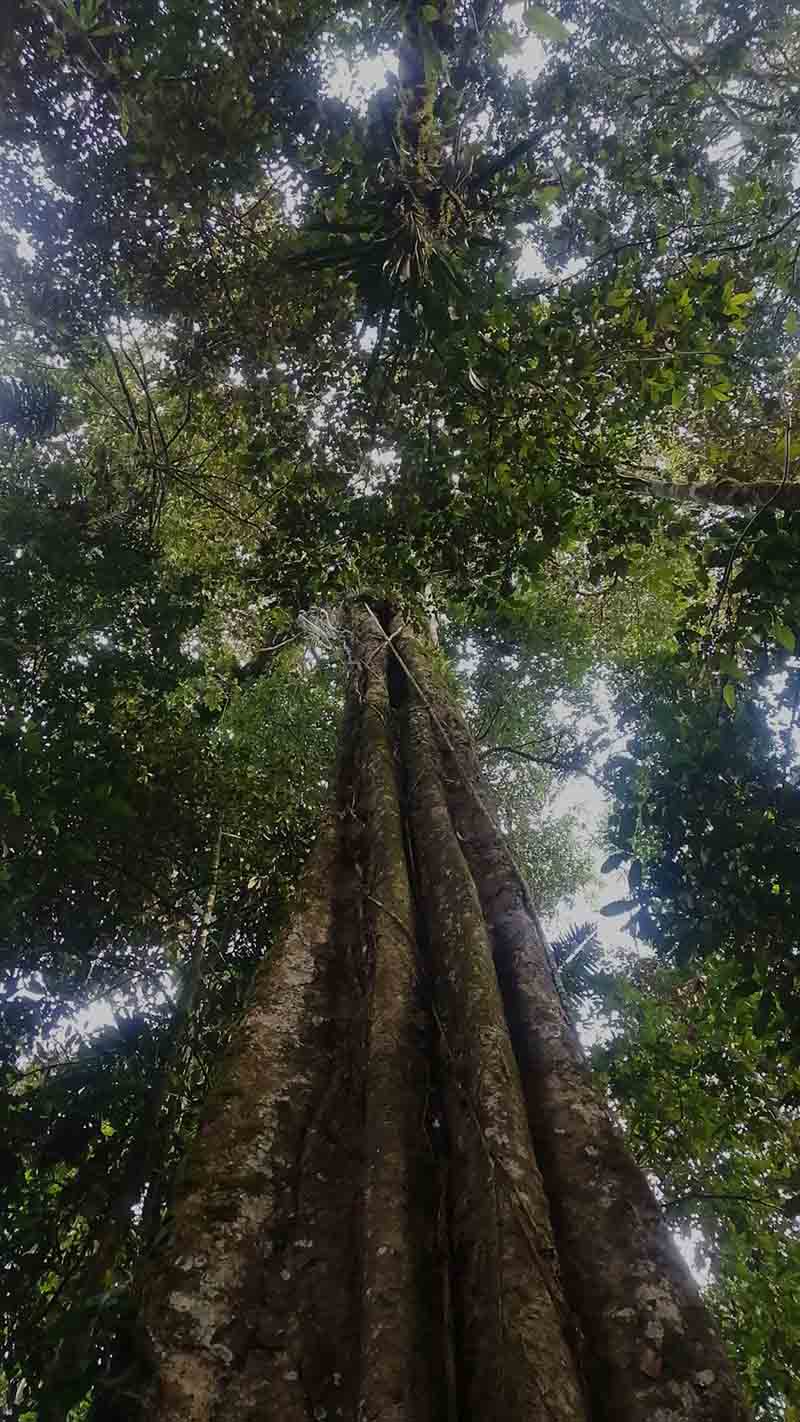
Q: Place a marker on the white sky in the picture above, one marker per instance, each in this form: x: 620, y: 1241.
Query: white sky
x: 355, y: 84
x: 531, y: 56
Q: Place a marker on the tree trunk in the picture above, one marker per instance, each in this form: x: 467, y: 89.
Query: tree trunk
x: 406, y: 1203
x: 729, y: 493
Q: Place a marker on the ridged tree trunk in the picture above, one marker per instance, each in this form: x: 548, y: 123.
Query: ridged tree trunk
x: 407, y: 1204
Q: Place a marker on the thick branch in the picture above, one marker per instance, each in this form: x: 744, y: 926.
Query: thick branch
x: 728, y: 492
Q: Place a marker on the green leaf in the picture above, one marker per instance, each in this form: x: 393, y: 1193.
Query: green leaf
x: 430, y: 14
x: 735, y: 303
x: 618, y: 906
x: 502, y: 42
x: 544, y: 24
x: 730, y: 667
x: 785, y: 636
x: 729, y: 695
x: 716, y: 394
x: 12, y: 805
x: 546, y: 197
x: 619, y: 296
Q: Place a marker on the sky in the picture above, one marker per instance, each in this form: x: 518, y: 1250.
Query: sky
x: 586, y: 800
x: 355, y: 84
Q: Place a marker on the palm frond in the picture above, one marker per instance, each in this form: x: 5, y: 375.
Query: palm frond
x: 578, y: 956
x: 29, y: 408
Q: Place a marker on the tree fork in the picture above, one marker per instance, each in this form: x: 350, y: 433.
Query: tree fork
x: 362, y: 1231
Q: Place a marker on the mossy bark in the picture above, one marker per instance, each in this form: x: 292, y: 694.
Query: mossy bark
x: 406, y: 1203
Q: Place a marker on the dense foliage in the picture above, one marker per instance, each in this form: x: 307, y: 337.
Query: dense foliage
x: 712, y: 1113
x: 269, y: 338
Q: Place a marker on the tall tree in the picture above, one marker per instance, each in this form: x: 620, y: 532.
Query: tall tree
x: 301, y: 365
x: 406, y: 1197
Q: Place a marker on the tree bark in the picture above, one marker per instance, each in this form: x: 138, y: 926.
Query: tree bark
x: 727, y: 492
x: 650, y: 1348
x: 513, y: 1329
x: 406, y: 1203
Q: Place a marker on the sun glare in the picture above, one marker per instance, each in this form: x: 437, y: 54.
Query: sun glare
x: 355, y: 83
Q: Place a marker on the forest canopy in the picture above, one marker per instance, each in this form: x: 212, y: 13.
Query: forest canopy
x: 485, y: 312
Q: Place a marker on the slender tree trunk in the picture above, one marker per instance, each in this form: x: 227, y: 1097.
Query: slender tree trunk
x: 406, y: 1204
x: 726, y: 492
